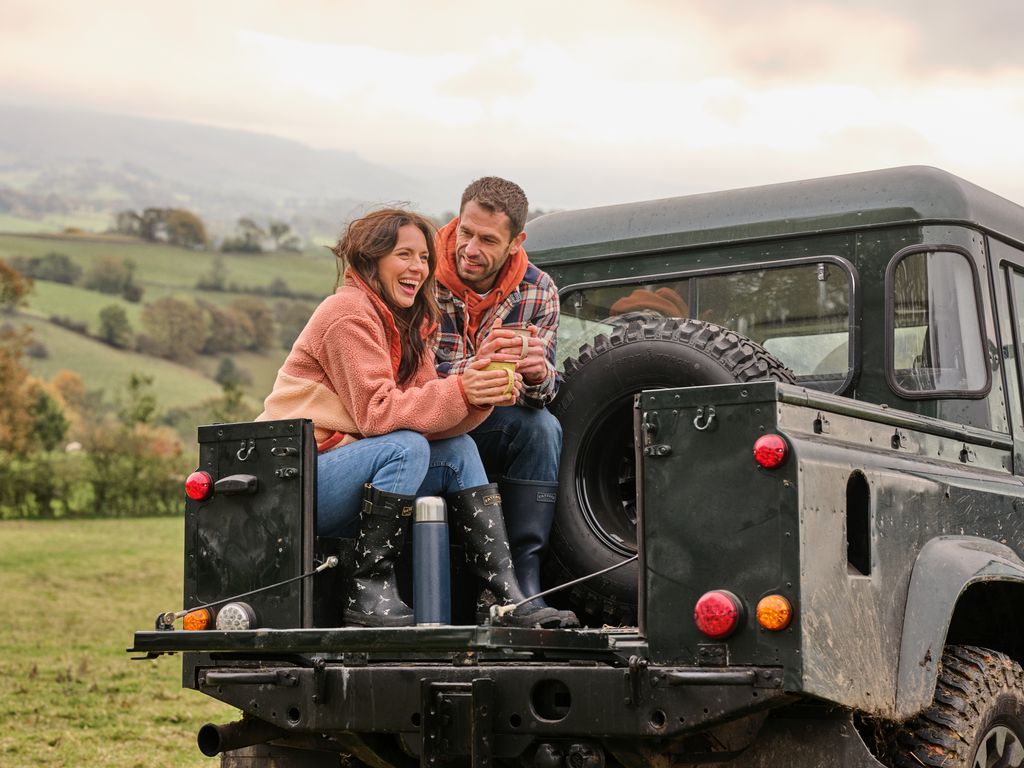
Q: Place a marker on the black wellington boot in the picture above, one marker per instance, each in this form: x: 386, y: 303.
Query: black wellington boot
x: 476, y: 519
x: 372, y: 599
x: 529, y: 509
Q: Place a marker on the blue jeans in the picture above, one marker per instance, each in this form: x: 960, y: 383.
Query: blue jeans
x: 518, y: 443
x: 401, y: 462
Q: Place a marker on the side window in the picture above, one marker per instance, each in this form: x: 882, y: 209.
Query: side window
x: 798, y: 312
x: 935, y: 343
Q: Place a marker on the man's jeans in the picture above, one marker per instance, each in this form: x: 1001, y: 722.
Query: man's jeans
x: 519, y: 443
x: 401, y: 462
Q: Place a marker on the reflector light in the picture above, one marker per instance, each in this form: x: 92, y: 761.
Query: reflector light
x: 196, y: 620
x: 717, y: 613
x: 199, y: 486
x: 774, y: 612
x: 770, y: 451
x: 235, y: 616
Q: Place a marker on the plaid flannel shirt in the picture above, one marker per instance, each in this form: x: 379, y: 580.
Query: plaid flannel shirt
x: 533, y: 302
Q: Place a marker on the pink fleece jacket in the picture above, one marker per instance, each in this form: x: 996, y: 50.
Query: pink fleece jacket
x: 342, y: 374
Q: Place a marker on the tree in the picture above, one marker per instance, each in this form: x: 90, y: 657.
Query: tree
x: 175, y: 329
x: 128, y: 223
x: 15, y: 419
x: 107, y: 275
x: 137, y: 403
x: 216, y: 279
x: 115, y: 329
x: 230, y: 329
x: 55, y: 267
x: 262, y: 319
x: 49, y: 424
x: 291, y: 317
x: 248, y: 238
x: 228, y: 372
x: 184, y: 228
x: 13, y: 287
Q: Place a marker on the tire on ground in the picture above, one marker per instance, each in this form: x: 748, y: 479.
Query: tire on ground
x: 595, y: 521
x: 976, y: 718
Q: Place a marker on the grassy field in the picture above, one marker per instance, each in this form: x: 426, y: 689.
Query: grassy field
x: 69, y: 694
x: 162, y: 270
x: 102, y: 366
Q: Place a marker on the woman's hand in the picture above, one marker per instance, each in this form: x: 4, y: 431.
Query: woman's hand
x: 485, y: 388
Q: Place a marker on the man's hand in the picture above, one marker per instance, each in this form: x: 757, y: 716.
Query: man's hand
x: 501, y: 345
x: 534, y: 367
x: 504, y: 344
x: 484, y: 388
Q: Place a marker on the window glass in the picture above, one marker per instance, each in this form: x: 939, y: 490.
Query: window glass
x: 936, y: 344
x: 799, y: 313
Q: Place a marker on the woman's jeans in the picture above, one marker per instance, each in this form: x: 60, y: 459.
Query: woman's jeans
x: 402, y: 462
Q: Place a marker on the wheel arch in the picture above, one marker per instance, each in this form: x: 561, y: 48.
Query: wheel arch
x: 955, y: 583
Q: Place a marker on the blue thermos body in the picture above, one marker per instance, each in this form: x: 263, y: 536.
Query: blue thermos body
x: 431, y: 569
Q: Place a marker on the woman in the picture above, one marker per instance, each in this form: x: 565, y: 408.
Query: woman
x: 387, y: 428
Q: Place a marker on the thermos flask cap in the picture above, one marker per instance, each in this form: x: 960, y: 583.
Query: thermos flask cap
x: 430, y: 509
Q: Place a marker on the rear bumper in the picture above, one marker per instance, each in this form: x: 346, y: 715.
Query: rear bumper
x: 516, y: 700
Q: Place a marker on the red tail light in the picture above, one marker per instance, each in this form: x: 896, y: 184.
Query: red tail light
x: 199, y: 486
x: 770, y: 451
x: 717, y: 613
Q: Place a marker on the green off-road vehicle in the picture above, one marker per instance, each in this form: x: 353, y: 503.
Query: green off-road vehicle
x: 798, y: 406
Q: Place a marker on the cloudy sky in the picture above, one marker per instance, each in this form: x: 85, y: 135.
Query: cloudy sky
x: 584, y: 102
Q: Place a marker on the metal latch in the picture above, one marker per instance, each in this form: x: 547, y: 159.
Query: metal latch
x: 650, y: 426
x: 967, y: 454
x: 287, y: 473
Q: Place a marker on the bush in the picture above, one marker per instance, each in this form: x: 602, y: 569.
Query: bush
x: 55, y: 267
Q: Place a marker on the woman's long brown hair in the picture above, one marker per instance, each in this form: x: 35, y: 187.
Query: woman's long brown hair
x: 364, y: 243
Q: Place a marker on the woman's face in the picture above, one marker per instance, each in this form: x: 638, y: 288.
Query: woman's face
x: 403, y: 271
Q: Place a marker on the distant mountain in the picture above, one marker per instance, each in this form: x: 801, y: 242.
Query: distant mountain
x: 55, y: 161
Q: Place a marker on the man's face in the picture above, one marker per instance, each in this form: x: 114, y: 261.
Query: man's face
x: 483, y: 245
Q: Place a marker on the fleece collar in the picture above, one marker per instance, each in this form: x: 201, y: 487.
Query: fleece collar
x: 509, y: 278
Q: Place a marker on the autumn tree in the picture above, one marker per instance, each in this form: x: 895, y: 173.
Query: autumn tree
x: 174, y: 329
x: 15, y: 402
x: 184, y: 228
x: 13, y: 287
x: 262, y: 319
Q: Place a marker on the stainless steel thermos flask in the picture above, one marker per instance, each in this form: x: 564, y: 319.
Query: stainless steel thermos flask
x: 431, y: 569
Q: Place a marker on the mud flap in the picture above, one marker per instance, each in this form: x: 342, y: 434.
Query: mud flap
x: 807, y: 742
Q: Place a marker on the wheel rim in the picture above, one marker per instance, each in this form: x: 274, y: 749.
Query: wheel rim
x: 606, y: 478
x: 1000, y: 748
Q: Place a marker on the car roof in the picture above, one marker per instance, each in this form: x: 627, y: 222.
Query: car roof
x: 893, y: 196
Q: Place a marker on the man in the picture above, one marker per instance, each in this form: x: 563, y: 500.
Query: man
x: 485, y: 284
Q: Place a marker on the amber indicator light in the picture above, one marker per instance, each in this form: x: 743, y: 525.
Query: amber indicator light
x: 196, y: 620
x: 774, y: 612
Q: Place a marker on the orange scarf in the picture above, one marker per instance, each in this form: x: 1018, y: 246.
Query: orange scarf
x: 509, y: 277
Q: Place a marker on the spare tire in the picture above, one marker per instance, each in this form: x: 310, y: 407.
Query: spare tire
x: 595, y: 518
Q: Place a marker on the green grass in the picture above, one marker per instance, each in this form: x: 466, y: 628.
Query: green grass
x: 101, y: 366
x: 164, y: 268
x: 75, y: 591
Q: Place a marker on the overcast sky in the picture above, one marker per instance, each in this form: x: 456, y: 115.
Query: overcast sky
x: 583, y: 103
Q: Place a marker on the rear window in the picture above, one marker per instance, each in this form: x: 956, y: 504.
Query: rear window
x: 935, y: 343
x: 798, y: 312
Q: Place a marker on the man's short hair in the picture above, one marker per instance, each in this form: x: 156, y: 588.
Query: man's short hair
x: 499, y: 196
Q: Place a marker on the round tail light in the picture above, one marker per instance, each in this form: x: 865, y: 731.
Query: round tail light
x: 770, y: 451
x: 236, y: 616
x: 196, y: 621
x: 199, y: 486
x: 774, y: 612
x: 717, y: 613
